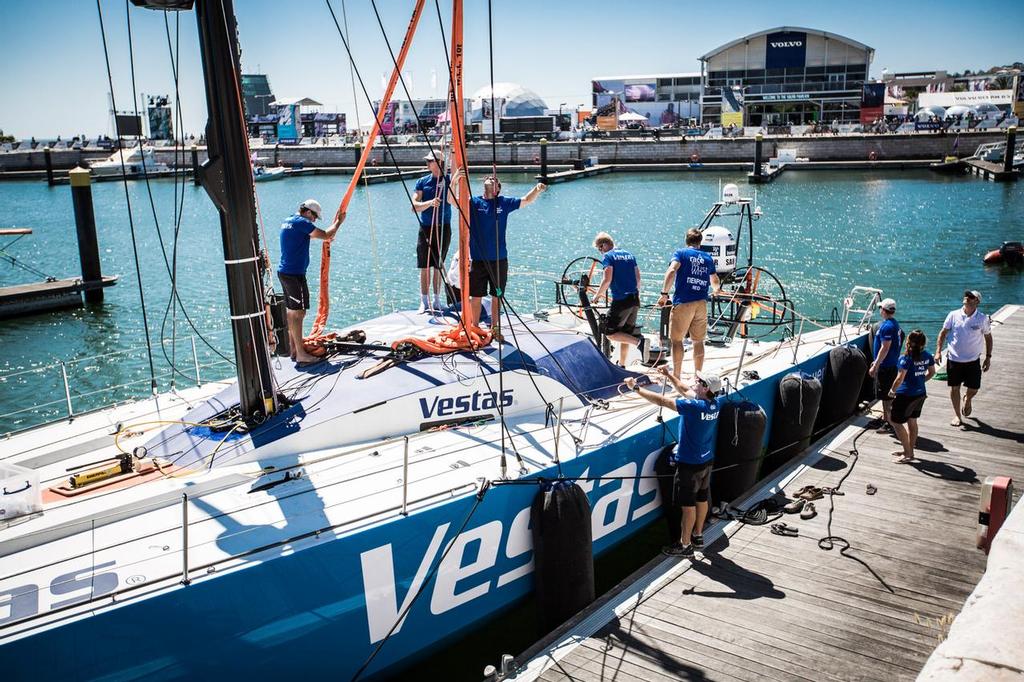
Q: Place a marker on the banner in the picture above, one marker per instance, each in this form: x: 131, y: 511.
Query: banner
x: 158, y: 112
x: 640, y: 92
x: 128, y: 125
x: 872, y: 102
x: 288, y: 122
x: 732, y: 107
x: 608, y: 115
x: 387, y: 122
x: 785, y: 49
x: 1018, y: 96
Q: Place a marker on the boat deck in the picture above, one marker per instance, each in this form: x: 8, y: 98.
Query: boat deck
x: 761, y: 606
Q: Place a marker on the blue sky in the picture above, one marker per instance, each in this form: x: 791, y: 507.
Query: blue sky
x: 53, y: 78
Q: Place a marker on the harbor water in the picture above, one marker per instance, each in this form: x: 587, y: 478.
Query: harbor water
x: 917, y: 236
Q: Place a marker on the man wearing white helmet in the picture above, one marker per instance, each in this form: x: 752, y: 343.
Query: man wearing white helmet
x: 296, y: 232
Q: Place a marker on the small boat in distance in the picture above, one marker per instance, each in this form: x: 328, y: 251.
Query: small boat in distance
x: 261, y: 173
x: 135, y: 161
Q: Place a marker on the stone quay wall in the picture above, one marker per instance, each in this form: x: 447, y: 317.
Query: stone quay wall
x: 915, y: 146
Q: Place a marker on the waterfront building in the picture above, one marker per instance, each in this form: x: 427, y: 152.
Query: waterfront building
x: 785, y: 76
x: 663, y: 99
x: 401, y: 116
x: 256, y: 95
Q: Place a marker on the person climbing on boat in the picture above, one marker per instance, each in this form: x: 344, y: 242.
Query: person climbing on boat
x: 488, y: 221
x: 694, y: 455
x: 887, y: 344
x: 296, y: 232
x: 693, y: 271
x: 622, y: 278
x: 435, y: 233
x: 968, y: 330
x: 908, y: 393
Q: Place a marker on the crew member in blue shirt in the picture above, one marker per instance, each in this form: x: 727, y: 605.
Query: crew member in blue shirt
x: 435, y: 229
x: 488, y: 221
x: 695, y: 454
x: 693, y: 272
x: 888, y: 341
x: 908, y: 393
x: 295, y: 235
x: 622, y: 277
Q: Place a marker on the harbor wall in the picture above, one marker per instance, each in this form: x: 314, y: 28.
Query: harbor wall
x: 915, y: 146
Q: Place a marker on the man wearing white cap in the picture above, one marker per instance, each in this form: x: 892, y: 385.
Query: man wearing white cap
x: 435, y: 229
x: 694, y: 455
x: 969, y: 331
x: 888, y: 343
x: 296, y: 232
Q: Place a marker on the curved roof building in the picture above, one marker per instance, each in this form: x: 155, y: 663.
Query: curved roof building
x: 518, y: 101
x: 785, y: 75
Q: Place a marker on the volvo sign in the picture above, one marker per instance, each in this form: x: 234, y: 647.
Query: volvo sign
x: 785, y: 49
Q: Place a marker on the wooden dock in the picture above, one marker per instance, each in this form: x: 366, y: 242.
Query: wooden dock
x: 762, y: 606
x: 38, y: 297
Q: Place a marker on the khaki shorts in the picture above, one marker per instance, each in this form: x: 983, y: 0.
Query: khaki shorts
x: 689, y: 318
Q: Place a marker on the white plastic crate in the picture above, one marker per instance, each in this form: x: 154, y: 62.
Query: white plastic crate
x: 20, y: 493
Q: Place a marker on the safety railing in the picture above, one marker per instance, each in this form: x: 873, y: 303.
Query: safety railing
x: 72, y: 387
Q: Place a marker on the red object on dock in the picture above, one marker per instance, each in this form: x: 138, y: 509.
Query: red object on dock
x: 994, y: 507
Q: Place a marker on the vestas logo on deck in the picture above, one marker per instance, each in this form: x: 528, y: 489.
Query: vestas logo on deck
x: 787, y: 43
x: 474, y: 402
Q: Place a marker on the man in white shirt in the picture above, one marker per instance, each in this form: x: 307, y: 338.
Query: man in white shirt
x: 969, y: 332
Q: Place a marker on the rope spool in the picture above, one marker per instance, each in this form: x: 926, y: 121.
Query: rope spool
x: 872, y: 156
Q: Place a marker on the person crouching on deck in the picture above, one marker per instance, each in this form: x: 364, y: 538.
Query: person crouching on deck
x: 488, y: 221
x: 622, y: 277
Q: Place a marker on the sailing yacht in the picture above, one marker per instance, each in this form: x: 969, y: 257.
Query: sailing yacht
x: 342, y: 520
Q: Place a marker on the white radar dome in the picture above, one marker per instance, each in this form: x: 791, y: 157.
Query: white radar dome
x: 730, y: 194
x: 720, y: 243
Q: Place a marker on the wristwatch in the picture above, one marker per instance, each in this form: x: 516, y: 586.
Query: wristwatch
x: 636, y: 388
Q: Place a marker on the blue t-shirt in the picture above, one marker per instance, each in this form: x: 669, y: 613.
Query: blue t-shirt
x: 295, y: 245
x: 482, y: 216
x: 693, y: 278
x: 917, y: 370
x: 427, y: 186
x: 623, y: 266
x: 697, y: 431
x: 890, y: 331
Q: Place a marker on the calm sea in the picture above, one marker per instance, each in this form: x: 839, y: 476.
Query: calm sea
x: 917, y: 236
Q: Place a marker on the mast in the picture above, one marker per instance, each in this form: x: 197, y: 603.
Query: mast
x: 227, y: 178
x: 456, y: 116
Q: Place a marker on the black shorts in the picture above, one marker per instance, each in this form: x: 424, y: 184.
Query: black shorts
x: 966, y: 373
x: 488, y: 277
x: 690, y: 484
x: 621, y: 315
x: 430, y: 249
x: 883, y: 381
x: 906, y: 407
x: 296, y: 291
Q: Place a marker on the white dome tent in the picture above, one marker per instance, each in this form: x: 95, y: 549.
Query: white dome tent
x: 927, y: 113
x: 510, y: 99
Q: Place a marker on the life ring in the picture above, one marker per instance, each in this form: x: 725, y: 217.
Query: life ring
x: 695, y: 157
x: 872, y: 156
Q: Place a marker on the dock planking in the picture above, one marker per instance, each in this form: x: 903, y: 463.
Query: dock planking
x: 758, y: 605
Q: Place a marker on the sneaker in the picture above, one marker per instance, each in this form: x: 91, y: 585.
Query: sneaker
x: 677, y: 549
x: 697, y: 541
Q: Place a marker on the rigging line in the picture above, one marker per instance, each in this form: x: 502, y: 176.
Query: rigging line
x: 127, y: 196
x: 496, y: 186
x: 426, y: 581
x: 13, y: 260
x: 366, y: 183
x: 419, y: 126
